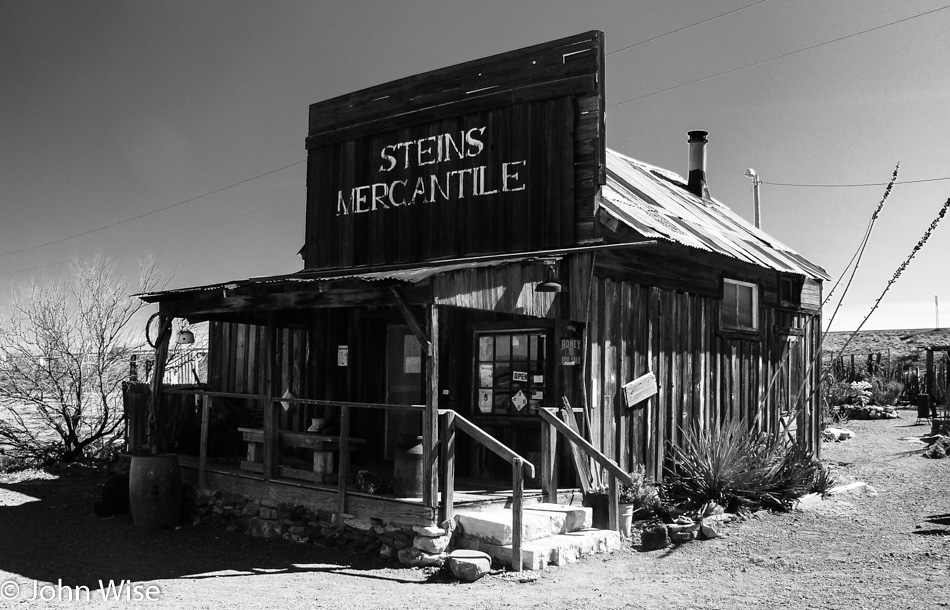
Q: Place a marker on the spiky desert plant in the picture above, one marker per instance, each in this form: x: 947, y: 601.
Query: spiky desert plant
x: 735, y: 464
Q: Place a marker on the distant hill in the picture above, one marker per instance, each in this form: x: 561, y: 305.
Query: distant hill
x: 905, y: 344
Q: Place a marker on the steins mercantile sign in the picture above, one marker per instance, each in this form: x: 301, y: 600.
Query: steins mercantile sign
x: 498, y: 155
x: 401, y: 186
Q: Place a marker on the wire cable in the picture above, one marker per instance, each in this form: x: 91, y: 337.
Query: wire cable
x: 139, y: 244
x: 162, y: 209
x: 763, y: 61
x: 854, y: 185
x: 637, y: 44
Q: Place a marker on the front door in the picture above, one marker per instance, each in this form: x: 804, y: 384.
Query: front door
x: 405, y: 366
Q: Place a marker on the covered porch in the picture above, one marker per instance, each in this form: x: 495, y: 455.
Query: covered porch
x: 316, y: 380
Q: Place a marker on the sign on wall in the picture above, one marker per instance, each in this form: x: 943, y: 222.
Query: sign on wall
x: 639, y: 389
x: 491, y: 156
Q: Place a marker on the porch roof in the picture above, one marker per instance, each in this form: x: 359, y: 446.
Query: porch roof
x: 384, y: 276
x: 656, y: 203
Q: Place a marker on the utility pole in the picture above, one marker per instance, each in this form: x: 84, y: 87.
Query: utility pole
x: 755, y: 196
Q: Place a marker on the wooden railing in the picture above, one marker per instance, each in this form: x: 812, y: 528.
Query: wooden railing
x: 452, y: 421
x: 270, y: 457
x: 550, y: 424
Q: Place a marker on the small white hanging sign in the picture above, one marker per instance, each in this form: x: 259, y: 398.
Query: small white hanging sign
x: 519, y: 400
x: 285, y: 404
x: 639, y: 389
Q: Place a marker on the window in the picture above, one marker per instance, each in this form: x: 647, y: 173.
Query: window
x: 740, y: 306
x: 509, y: 372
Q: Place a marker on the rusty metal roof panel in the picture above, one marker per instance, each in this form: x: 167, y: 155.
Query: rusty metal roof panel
x: 655, y: 203
x: 409, y: 275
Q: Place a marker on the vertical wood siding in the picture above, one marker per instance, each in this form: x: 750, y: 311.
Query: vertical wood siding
x: 236, y: 364
x: 702, y: 377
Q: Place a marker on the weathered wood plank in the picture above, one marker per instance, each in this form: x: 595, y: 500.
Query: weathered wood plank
x: 447, y: 468
x: 430, y: 428
x: 271, y: 421
x: 517, y: 512
x: 360, y: 505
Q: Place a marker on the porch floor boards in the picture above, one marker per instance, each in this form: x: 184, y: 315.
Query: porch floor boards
x: 468, y: 493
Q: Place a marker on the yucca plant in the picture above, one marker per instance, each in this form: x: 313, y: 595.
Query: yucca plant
x: 736, y: 465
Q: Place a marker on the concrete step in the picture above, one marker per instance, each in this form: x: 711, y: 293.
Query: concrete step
x: 558, y: 550
x: 539, y: 520
x: 576, y: 517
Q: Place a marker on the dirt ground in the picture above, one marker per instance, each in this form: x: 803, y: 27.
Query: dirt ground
x: 884, y: 546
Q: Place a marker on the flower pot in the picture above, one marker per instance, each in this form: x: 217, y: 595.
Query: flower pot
x: 626, y: 519
x: 155, y: 490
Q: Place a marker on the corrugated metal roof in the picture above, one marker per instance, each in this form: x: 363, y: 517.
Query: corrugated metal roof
x: 412, y: 275
x: 655, y: 203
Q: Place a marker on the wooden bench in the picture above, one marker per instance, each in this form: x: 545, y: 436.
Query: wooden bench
x: 324, y: 446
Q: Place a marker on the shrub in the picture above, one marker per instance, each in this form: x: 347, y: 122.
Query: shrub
x: 643, y: 494
x: 885, y: 392
x: 733, y: 466
x: 826, y: 477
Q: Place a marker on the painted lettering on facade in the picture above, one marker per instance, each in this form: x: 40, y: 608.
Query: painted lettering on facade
x: 450, y: 185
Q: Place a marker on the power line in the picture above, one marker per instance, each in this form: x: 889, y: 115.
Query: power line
x: 637, y: 44
x: 159, y: 238
x: 758, y: 63
x: 853, y: 185
x: 162, y: 209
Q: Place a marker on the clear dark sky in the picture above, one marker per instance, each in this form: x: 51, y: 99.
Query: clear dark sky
x: 112, y: 110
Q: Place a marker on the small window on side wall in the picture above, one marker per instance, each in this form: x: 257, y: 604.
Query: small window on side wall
x: 740, y: 306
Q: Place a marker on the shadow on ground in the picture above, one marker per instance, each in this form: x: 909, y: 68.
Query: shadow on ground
x: 51, y: 533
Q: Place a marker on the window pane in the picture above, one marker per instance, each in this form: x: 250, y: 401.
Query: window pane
x: 485, y: 348
x: 485, y: 376
x: 503, y: 375
x: 503, y: 347
x: 744, y: 313
x: 502, y: 400
x: 519, y: 347
x: 729, y: 299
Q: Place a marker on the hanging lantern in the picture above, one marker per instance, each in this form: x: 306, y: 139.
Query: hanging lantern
x: 550, y: 283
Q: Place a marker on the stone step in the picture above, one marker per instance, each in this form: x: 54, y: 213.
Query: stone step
x: 576, y: 517
x: 558, y: 550
x: 539, y: 520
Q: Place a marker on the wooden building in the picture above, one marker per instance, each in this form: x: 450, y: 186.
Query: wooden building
x: 474, y: 255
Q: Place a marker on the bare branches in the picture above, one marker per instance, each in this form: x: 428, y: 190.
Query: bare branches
x: 920, y: 244
x: 64, y: 347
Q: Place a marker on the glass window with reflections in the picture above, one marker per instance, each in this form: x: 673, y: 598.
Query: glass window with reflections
x: 509, y: 372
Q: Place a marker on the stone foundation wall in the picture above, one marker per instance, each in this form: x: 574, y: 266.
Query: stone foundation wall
x: 412, y: 546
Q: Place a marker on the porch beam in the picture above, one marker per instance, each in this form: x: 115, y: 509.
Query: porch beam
x: 411, y: 320
x: 222, y: 301
x: 430, y: 424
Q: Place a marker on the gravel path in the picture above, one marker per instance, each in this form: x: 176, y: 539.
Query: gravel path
x: 886, y: 545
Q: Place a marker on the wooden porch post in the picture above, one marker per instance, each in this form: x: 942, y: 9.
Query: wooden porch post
x: 203, y: 455
x: 430, y: 424
x: 271, y: 423
x: 447, y: 468
x: 517, y: 513
x: 158, y: 375
x: 548, y: 461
